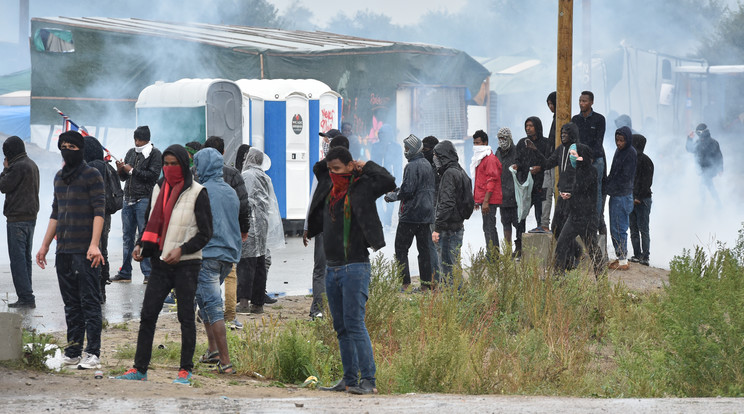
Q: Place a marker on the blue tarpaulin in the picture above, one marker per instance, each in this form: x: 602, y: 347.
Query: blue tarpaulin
x: 16, y: 120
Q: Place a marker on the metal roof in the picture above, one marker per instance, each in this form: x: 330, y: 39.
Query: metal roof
x: 182, y: 93
x: 224, y: 35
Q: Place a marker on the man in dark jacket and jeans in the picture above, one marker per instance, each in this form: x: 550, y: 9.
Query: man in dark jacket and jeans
x: 416, y: 196
x: 507, y: 155
x: 139, y: 170
x: 343, y: 209
x: 639, y: 218
x: 19, y: 181
x: 454, y: 186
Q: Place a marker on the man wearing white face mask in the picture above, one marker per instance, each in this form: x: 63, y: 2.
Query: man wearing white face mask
x: 485, y: 170
x: 139, y: 170
x: 507, y: 154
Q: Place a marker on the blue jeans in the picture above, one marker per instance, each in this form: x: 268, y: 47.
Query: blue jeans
x: 620, y: 209
x: 347, y: 289
x: 80, y: 287
x: 450, y: 242
x: 20, y: 243
x: 132, y: 223
x: 639, y: 234
x: 599, y: 165
x: 208, y: 294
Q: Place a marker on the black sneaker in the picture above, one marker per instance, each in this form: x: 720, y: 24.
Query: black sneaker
x: 644, y: 262
x: 339, y: 387
x: 22, y: 304
x: 122, y: 279
x: 364, y: 387
x: 634, y: 259
x: 268, y: 299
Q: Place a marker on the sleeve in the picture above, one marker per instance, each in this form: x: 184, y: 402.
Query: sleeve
x: 97, y: 194
x: 237, y: 183
x: 9, y: 179
x: 127, y: 160
x: 381, y: 181
x: 552, y: 161
x: 261, y: 199
x: 203, y: 212
x: 312, y: 194
x: 151, y: 173
x: 409, y: 184
x: 55, y: 207
x: 493, y: 177
x: 447, y: 202
x: 601, y: 127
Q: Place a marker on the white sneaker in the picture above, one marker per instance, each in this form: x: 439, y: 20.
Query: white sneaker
x: 90, y: 362
x: 234, y: 325
x: 70, y: 361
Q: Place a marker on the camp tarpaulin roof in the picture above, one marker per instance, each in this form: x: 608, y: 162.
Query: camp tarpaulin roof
x: 114, y: 59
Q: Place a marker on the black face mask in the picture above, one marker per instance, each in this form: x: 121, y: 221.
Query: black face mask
x: 429, y: 155
x: 73, y: 158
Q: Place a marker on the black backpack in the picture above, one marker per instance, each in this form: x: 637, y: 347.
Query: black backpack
x: 466, y: 202
x: 114, y: 193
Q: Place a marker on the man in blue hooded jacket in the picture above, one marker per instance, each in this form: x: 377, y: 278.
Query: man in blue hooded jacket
x: 619, y: 187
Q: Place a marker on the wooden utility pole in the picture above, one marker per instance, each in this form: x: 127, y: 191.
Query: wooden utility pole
x: 564, y: 66
x: 586, y: 43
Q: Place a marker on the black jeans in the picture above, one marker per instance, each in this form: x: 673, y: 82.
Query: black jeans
x: 319, y: 274
x: 80, y: 289
x: 20, y: 244
x: 489, y: 227
x: 252, y: 279
x: 565, y: 249
x: 164, y: 277
x: 403, y: 240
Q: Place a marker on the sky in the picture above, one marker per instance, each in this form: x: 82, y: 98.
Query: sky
x: 401, y: 12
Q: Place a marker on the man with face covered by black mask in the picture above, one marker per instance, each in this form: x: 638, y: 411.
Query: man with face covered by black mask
x: 77, y: 221
x: 19, y: 181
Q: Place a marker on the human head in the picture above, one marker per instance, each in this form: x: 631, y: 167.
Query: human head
x: 429, y: 143
x: 702, y: 131
x: 346, y: 129
x: 240, y: 156
x: 623, y: 138
x: 73, y: 138
x: 535, y: 130
x: 505, y: 138
x: 412, y: 145
x: 569, y: 134
x: 639, y: 143
x: 551, y: 101
x: 93, y: 149
x: 385, y: 133
x: 480, y: 138
x: 176, y: 155
x: 141, y: 135
x: 13, y: 146
x: 339, y: 161
x: 330, y: 134
x: 216, y: 143
x: 339, y: 141
x: 623, y: 120
x: 586, y: 100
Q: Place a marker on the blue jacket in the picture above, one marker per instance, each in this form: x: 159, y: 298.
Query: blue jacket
x: 622, y: 174
x: 225, y: 243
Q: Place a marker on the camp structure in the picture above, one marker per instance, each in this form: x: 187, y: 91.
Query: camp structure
x: 93, y: 69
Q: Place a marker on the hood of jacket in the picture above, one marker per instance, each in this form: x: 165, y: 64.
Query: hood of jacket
x: 253, y: 159
x: 573, y: 132
x: 13, y: 147
x: 623, y: 121
x: 446, y: 152
x: 628, y: 134
x: 182, y: 156
x: 240, y: 156
x: 537, y: 124
x: 208, y: 163
x: 639, y: 143
x: 93, y: 149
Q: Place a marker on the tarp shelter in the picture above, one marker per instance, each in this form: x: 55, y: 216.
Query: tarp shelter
x: 109, y: 61
x: 15, y: 112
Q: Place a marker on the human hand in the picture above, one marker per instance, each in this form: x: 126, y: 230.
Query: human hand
x: 244, y: 236
x: 304, y: 238
x: 435, y: 237
x: 485, y: 208
x: 390, y: 197
x: 536, y: 169
x: 5, y: 162
x: 565, y: 196
x: 476, y: 207
x: 358, y: 165
x: 529, y: 144
x: 41, y: 256
x: 137, y: 253
x: 95, y: 256
x: 514, y: 166
x: 636, y: 201
x: 174, y: 256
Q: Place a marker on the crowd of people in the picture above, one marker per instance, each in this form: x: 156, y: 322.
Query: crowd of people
x: 194, y: 223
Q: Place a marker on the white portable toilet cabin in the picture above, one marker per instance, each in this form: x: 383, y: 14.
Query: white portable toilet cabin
x: 285, y: 141
x: 193, y: 110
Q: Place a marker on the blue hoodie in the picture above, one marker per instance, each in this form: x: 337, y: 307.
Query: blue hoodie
x: 225, y: 243
x: 622, y: 174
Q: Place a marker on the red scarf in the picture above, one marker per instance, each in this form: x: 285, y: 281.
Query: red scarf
x: 157, y: 226
x: 340, y: 188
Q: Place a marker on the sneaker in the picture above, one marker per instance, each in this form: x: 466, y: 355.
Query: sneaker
x: 184, y: 377
x: 170, y: 299
x: 644, y: 262
x: 634, y: 259
x: 536, y: 230
x: 147, y: 278
x: 364, y: 387
x: 134, y: 375
x: 90, y: 362
x: 546, y: 229
x: 316, y: 315
x: 234, y: 325
x: 243, y: 307
x: 22, y: 304
x: 340, y: 386
x: 268, y: 300
x: 71, y: 360
x: 121, y: 279
x: 257, y: 309
x: 615, y: 265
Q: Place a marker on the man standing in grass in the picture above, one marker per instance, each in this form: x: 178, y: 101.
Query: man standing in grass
x: 179, y: 225
x: 343, y: 209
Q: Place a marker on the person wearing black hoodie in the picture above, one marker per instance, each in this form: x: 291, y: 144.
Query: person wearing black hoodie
x: 619, y: 187
x: 582, y: 213
x: 19, y: 181
x: 527, y: 159
x: 708, y: 157
x: 179, y: 225
x: 639, y: 218
x: 429, y: 143
x: 454, y: 186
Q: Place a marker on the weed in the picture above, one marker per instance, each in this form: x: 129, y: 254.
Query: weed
x: 37, y: 347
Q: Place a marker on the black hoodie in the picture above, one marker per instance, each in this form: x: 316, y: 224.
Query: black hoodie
x: 454, y: 185
x: 644, y: 176
x: 202, y: 208
x: 527, y: 158
x: 559, y: 158
x: 19, y: 181
x: 583, y: 201
x: 622, y: 173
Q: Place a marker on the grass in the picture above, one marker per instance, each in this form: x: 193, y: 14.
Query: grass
x: 512, y: 328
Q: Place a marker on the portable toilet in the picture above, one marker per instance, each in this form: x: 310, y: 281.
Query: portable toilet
x: 193, y: 110
x: 285, y: 141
